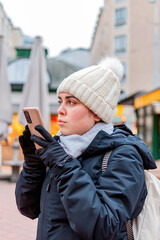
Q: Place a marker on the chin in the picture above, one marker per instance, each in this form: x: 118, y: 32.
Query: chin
x: 67, y: 132
x: 64, y: 132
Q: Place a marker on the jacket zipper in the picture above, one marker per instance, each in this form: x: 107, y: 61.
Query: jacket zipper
x: 45, y: 202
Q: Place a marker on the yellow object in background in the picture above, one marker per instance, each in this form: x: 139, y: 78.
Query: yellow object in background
x: 119, y: 111
x: 15, y: 129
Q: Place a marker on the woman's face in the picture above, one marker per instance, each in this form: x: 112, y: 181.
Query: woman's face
x: 73, y: 116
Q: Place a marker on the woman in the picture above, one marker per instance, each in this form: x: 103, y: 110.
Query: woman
x: 63, y: 185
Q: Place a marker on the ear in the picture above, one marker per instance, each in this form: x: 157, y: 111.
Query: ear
x: 96, y: 118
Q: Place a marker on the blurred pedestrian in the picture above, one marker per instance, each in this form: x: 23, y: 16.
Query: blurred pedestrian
x: 62, y: 183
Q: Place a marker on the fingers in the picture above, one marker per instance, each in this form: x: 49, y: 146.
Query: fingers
x: 44, y: 133
x: 27, y: 128
x: 26, y: 135
x: 40, y: 141
x: 22, y: 141
x: 40, y: 152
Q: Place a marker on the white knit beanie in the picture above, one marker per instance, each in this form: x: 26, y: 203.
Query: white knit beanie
x: 97, y: 87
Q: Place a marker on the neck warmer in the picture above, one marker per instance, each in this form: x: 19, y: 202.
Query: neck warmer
x: 76, y: 144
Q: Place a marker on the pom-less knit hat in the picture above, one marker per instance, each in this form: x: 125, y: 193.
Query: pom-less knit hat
x: 97, y: 87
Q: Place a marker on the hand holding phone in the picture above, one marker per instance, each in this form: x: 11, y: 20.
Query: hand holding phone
x: 33, y: 118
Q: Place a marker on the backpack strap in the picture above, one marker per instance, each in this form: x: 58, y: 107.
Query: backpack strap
x: 129, y: 229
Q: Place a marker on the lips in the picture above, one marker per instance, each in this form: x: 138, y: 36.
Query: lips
x: 61, y: 122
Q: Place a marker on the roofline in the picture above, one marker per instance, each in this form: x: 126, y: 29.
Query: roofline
x: 96, y: 25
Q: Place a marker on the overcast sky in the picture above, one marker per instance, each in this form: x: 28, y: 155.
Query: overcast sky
x: 61, y: 23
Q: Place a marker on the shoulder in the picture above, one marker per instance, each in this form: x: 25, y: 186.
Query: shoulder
x: 125, y: 165
x: 125, y: 154
x: 123, y: 161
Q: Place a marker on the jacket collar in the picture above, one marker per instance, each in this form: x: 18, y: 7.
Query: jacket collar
x: 122, y: 135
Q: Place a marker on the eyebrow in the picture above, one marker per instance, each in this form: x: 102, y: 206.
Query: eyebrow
x: 67, y: 97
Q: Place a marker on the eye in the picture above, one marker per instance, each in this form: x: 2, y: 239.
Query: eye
x: 71, y: 102
x: 59, y: 102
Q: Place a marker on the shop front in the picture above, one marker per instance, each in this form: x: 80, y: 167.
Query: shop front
x: 147, y: 108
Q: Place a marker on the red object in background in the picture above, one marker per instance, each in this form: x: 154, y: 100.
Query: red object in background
x: 54, y: 118
x: 54, y: 125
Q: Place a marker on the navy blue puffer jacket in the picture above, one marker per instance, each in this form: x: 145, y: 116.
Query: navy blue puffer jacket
x: 76, y: 201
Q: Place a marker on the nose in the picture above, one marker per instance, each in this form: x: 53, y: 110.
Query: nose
x: 61, y: 110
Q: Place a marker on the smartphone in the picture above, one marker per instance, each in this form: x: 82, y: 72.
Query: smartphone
x: 33, y: 118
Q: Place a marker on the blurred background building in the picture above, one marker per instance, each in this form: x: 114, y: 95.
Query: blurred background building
x: 130, y: 30
x: 126, y: 29
x: 12, y: 36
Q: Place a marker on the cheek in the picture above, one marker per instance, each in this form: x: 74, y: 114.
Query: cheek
x: 82, y: 115
x: 80, y: 120
x: 78, y: 114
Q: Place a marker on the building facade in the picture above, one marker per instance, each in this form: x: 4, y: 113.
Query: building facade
x: 128, y: 30
x: 12, y: 36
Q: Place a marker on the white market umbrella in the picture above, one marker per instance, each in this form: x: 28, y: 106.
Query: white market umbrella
x: 35, y: 91
x: 5, y: 97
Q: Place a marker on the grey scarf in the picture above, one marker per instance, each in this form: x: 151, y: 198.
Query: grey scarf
x: 76, y: 144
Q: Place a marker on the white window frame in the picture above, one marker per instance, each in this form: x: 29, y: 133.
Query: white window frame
x: 120, y: 16
x: 120, y: 44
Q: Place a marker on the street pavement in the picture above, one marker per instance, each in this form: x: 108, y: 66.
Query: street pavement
x: 13, y: 225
